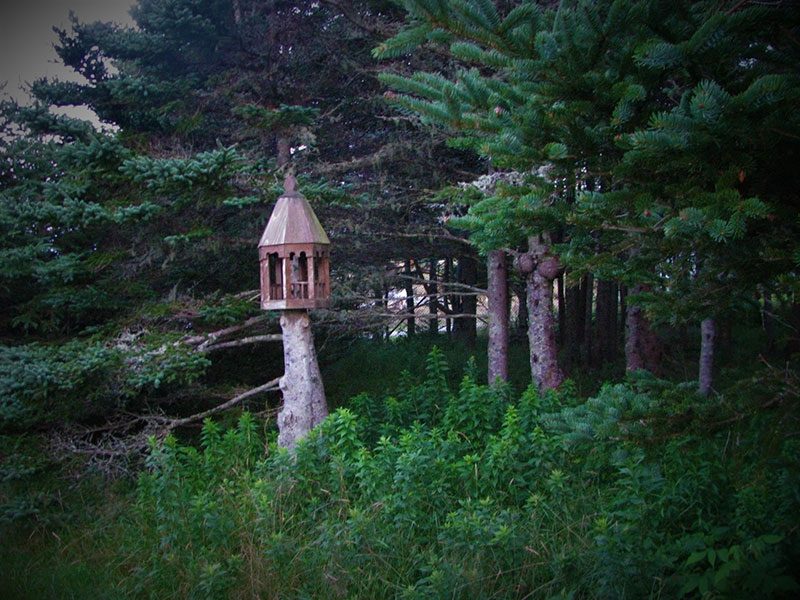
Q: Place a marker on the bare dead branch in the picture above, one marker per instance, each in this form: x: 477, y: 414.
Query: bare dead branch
x: 207, y: 339
x: 444, y: 285
x: 626, y: 229
x: 440, y: 234
x: 372, y: 27
x: 354, y: 164
x: 267, y: 387
x: 255, y: 339
x: 405, y: 316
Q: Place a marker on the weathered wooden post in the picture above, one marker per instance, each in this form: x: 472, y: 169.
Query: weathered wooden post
x: 294, y: 253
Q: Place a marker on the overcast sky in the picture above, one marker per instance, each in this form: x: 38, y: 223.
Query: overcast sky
x: 27, y: 37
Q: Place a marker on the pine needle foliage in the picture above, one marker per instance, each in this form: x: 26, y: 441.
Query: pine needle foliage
x: 668, y: 113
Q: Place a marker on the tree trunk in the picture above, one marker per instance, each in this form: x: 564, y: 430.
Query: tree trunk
x: 642, y: 346
x: 386, y: 331
x: 377, y: 292
x: 606, y: 323
x: 304, y: 405
x: 237, y: 12
x: 623, y: 311
x: 522, y: 311
x: 545, y: 372
x: 588, y: 313
x: 433, y: 323
x: 575, y: 315
x: 465, y: 328
x: 706, y: 371
x: 562, y: 310
x: 448, y: 270
x: 768, y: 320
x: 409, y: 288
x: 284, y: 152
x: 497, y: 278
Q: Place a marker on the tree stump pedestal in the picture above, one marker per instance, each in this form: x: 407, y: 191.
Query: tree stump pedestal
x: 304, y: 405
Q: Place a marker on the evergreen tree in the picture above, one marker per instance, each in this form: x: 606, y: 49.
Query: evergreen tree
x: 658, y: 119
x: 148, y: 231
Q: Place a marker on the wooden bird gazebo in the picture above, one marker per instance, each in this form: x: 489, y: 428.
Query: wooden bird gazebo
x: 294, y: 255
x: 294, y: 252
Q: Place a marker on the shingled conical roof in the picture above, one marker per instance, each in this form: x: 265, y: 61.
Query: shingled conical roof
x: 293, y: 221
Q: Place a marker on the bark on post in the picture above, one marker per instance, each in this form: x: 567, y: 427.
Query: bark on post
x: 708, y: 329
x: 541, y: 269
x: 498, y: 316
x: 304, y: 405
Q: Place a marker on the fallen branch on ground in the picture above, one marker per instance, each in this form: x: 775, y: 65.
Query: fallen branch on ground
x: 116, y: 447
x: 267, y: 387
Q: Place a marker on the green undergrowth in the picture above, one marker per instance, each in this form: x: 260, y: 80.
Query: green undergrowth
x: 644, y: 490
x: 433, y: 485
x: 62, y: 537
x: 381, y: 367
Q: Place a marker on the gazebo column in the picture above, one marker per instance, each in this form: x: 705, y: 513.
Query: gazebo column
x: 322, y: 271
x: 265, y: 282
x: 287, y: 277
x: 312, y: 281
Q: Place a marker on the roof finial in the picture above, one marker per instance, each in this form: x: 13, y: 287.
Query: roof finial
x: 289, y: 183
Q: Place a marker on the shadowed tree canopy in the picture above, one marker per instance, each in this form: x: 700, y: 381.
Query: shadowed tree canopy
x: 149, y: 231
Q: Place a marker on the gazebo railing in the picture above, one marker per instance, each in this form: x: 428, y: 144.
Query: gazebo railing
x: 299, y: 289
x: 276, y: 291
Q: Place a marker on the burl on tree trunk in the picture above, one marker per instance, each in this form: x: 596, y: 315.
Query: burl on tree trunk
x: 304, y: 405
x: 541, y: 269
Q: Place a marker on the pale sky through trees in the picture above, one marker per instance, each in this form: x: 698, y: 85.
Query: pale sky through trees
x: 27, y: 38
